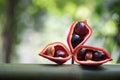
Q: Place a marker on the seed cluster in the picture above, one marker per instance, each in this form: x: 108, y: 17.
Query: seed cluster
x: 89, y: 54
x: 50, y: 51
x: 79, y: 33
x: 84, y: 55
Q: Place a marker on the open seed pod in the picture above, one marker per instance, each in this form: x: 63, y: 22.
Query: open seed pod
x: 91, y: 56
x: 56, y: 52
x: 78, y: 34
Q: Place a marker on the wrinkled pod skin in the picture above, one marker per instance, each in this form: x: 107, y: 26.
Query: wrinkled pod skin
x: 56, y: 52
x: 91, y: 56
x: 78, y: 34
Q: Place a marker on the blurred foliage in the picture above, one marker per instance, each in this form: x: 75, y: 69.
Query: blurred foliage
x: 39, y: 22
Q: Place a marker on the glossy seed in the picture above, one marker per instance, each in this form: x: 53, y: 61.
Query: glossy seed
x: 81, y: 55
x: 60, y: 53
x: 80, y: 28
x: 98, y: 56
x: 76, y: 39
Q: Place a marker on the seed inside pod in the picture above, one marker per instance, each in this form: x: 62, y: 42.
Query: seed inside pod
x: 81, y: 55
x: 76, y: 39
x: 60, y: 53
x: 89, y: 55
x: 98, y: 56
x: 50, y: 51
x: 80, y: 28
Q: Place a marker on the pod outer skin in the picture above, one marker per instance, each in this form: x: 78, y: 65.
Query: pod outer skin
x: 71, y: 32
x: 58, y: 60
x: 92, y: 63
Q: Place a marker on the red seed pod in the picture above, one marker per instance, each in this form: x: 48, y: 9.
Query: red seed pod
x: 91, y: 56
x: 79, y: 33
x: 56, y: 52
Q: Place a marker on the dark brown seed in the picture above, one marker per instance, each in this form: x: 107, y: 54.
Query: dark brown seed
x: 98, y: 56
x: 60, y: 53
x: 81, y: 55
x: 76, y: 39
x: 80, y: 28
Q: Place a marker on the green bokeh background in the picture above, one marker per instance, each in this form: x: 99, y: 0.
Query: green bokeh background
x: 27, y: 26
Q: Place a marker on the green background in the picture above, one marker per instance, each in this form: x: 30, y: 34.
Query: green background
x: 27, y: 26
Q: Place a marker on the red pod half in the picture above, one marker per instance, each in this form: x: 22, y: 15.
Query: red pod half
x: 79, y: 33
x: 56, y: 52
x: 91, y: 56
